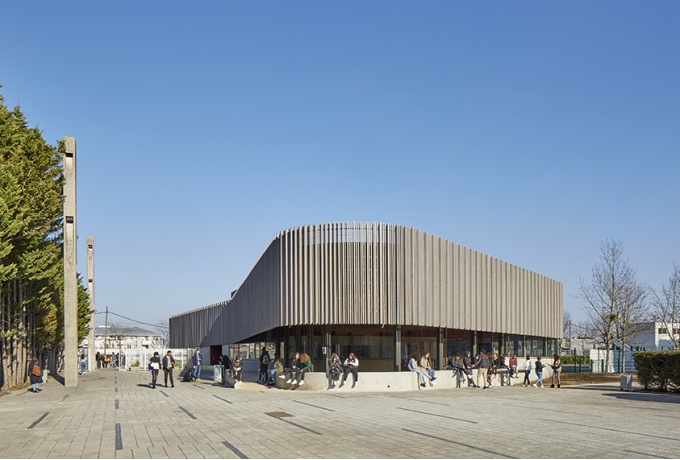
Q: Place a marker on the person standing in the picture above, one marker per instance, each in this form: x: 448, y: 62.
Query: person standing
x: 35, y: 372
x: 154, y: 367
x: 334, y: 369
x: 98, y: 360
x: 83, y: 364
x: 168, y: 364
x: 197, y: 360
x: 527, y: 372
x: 539, y: 372
x: 351, y: 365
x: 557, y: 370
x: 264, y: 364
x: 482, y: 364
x: 468, y: 365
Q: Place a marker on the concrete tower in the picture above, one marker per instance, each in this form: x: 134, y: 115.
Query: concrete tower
x: 70, y: 269
x: 90, y: 289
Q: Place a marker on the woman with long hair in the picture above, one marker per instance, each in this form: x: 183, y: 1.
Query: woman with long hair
x: 351, y: 365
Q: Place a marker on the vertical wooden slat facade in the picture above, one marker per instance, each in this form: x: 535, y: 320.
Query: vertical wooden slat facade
x: 363, y: 273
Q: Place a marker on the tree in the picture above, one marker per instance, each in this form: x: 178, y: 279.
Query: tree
x: 31, y: 246
x: 614, y: 300
x: 667, y: 306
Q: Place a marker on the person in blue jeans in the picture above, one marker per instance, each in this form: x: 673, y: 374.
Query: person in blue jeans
x: 196, y: 361
x: 539, y: 372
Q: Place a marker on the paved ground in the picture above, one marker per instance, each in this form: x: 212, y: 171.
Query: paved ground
x: 115, y: 414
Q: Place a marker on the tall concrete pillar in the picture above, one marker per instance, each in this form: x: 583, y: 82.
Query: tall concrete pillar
x: 70, y: 270
x: 92, y: 365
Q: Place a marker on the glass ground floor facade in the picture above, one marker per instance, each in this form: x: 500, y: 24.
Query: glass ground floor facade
x: 385, y: 348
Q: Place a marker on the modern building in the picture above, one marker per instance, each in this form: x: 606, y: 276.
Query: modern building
x: 381, y: 291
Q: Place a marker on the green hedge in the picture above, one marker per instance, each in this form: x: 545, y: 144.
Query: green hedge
x: 658, y: 370
x: 575, y: 360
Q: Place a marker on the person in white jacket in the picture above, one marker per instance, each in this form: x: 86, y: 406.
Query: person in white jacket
x: 527, y: 372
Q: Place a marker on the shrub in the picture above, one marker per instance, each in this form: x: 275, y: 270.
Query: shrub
x: 658, y: 369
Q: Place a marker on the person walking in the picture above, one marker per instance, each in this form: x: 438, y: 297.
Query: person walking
x: 557, y: 370
x: 168, y: 364
x: 482, y: 364
x: 539, y: 373
x: 351, y: 365
x: 83, y: 364
x: 197, y: 360
x: 35, y: 373
x: 527, y: 372
x: 154, y: 367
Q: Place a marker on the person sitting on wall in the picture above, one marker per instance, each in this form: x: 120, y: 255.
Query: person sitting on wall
x: 305, y: 366
x: 292, y: 370
x: 513, y: 367
x: 426, y: 366
x: 237, y: 368
x: 351, y: 365
x: 413, y: 366
x: 277, y: 368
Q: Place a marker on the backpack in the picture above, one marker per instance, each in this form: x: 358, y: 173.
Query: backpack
x: 36, y: 371
x: 188, y: 377
x: 265, y: 358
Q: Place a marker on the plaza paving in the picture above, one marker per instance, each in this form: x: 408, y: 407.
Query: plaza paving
x: 115, y: 414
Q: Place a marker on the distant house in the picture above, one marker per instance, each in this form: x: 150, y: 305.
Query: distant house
x: 655, y: 336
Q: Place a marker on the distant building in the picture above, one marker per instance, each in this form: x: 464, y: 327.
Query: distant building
x: 656, y: 336
x: 125, y: 338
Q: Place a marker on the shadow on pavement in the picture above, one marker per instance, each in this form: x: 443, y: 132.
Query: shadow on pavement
x: 672, y: 398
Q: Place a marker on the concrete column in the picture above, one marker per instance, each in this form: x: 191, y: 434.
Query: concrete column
x: 441, y: 355
x: 92, y: 365
x: 397, y: 348
x: 70, y: 269
x: 474, y: 343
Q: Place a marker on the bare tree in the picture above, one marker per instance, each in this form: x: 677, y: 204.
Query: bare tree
x: 612, y: 297
x: 631, y: 316
x: 667, y: 306
x: 568, y: 325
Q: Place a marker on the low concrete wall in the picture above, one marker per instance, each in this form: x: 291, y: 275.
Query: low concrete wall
x: 379, y: 381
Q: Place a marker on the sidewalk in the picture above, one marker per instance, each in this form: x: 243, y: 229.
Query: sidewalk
x: 113, y: 414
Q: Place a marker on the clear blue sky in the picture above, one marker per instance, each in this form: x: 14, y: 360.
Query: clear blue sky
x: 528, y: 131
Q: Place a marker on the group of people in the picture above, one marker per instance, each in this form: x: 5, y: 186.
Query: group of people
x: 167, y: 364
x: 538, y: 367
x: 488, y: 366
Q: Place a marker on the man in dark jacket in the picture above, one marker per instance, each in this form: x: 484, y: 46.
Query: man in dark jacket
x: 482, y: 364
x: 168, y: 363
x: 468, y: 365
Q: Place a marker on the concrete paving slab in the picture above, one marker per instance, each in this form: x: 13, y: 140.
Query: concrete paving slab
x: 203, y: 420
